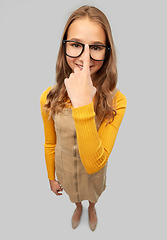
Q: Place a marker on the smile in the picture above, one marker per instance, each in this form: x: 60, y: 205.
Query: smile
x: 81, y: 67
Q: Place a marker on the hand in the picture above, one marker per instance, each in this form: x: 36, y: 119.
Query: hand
x: 55, y: 187
x: 79, y: 85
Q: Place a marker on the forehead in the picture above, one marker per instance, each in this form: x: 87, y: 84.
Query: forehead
x: 87, y: 31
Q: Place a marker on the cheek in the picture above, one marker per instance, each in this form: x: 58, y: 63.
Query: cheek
x: 99, y: 65
x: 70, y: 62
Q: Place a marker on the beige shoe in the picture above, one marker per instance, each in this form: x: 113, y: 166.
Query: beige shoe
x: 75, y: 223
x: 92, y: 225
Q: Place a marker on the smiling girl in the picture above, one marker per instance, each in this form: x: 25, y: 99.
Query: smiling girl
x: 83, y: 111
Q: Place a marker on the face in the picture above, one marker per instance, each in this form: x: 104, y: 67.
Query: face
x: 87, y: 32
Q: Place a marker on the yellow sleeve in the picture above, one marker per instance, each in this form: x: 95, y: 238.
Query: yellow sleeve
x: 96, y: 146
x: 50, y: 138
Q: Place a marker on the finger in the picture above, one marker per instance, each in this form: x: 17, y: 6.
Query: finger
x: 76, y: 69
x: 71, y: 74
x: 86, y: 60
x: 58, y: 192
x: 60, y: 187
x: 65, y: 81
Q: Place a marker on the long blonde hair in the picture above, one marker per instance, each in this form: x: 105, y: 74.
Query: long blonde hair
x: 105, y: 80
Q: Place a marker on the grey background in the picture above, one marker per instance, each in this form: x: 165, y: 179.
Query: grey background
x: 134, y: 203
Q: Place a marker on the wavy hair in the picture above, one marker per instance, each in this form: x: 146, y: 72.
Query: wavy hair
x: 105, y: 79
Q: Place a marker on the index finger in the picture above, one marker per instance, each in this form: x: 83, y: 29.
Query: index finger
x: 86, y: 60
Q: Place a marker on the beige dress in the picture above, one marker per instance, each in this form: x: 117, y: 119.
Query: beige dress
x: 71, y: 174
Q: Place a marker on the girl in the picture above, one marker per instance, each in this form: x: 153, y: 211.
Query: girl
x: 82, y: 112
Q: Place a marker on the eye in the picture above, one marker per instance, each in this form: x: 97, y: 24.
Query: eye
x: 75, y: 45
x: 96, y: 48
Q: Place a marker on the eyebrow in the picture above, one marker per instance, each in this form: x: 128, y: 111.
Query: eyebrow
x: 98, y: 43
x: 94, y: 43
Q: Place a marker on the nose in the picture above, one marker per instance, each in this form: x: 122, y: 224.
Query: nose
x: 82, y: 55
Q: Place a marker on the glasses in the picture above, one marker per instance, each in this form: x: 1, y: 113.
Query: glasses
x: 75, y: 49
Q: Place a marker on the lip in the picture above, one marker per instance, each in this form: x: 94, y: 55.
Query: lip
x: 81, y: 66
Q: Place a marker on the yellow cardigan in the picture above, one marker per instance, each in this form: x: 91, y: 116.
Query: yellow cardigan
x: 94, y: 146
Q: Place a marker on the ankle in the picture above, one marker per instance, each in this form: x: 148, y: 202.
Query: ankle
x: 91, y: 205
x: 91, y: 208
x: 79, y: 205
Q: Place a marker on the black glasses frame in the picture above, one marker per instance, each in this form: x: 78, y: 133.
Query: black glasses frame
x: 108, y: 49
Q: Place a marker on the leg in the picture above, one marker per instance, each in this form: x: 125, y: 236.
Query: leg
x: 78, y: 212
x: 92, y: 213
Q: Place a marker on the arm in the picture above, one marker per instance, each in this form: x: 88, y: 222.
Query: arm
x: 50, y: 138
x: 95, y: 147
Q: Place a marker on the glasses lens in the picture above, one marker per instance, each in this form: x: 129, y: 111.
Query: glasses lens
x: 73, y: 49
x: 98, y: 52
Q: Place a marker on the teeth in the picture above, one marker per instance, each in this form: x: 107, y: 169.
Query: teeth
x: 82, y: 66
